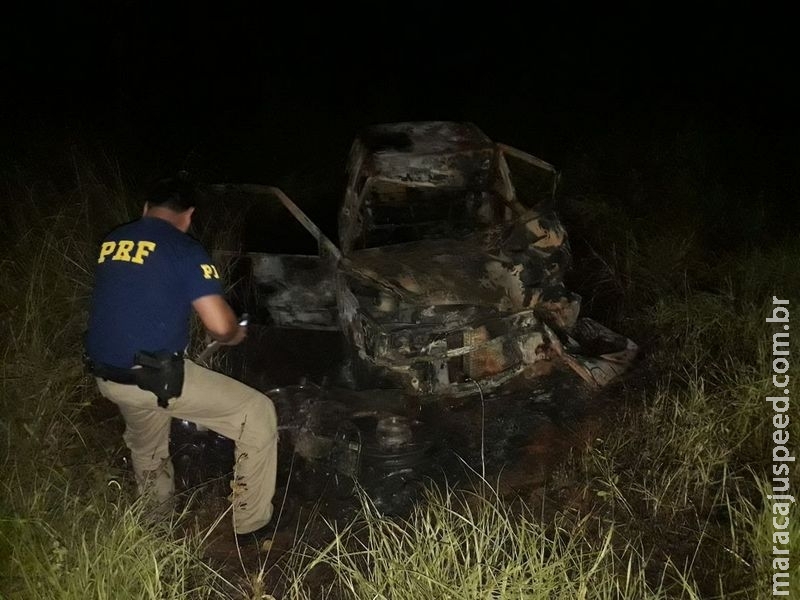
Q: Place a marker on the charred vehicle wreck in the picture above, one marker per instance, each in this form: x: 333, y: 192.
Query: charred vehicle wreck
x: 448, y: 281
x: 450, y: 268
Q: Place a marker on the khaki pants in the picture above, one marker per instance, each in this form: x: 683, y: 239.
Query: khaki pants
x: 216, y: 402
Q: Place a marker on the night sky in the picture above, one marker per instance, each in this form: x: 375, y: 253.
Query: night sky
x: 254, y: 94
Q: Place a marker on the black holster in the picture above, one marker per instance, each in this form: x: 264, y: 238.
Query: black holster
x: 160, y: 373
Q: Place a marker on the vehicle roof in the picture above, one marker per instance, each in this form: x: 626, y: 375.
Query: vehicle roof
x: 440, y: 153
x: 423, y: 137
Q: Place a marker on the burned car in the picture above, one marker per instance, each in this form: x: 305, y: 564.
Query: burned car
x: 449, y: 274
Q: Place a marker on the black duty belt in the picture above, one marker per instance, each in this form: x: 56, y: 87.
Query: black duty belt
x: 159, y: 372
x: 115, y: 374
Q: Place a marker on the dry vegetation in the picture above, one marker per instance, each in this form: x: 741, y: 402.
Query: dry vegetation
x: 669, y: 502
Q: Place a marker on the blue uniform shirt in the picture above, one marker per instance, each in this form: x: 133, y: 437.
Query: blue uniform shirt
x: 148, y: 274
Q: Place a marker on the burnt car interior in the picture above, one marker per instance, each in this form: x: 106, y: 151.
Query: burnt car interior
x: 396, y: 213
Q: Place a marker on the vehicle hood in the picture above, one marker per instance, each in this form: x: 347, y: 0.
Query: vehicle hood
x: 441, y: 272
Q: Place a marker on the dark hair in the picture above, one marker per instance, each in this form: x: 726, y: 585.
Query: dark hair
x: 177, y: 193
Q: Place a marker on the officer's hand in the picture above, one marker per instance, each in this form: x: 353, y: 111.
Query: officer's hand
x: 220, y: 320
x: 241, y: 333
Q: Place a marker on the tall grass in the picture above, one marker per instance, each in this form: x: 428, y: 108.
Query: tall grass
x: 687, y: 460
x: 476, y: 545
x: 68, y: 526
x: 668, y: 502
x: 80, y: 546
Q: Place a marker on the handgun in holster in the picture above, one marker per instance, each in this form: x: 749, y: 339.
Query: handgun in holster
x: 161, y: 373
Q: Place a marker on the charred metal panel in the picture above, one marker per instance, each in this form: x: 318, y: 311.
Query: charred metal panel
x: 298, y: 291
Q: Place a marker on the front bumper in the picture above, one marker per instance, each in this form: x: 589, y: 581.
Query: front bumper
x: 429, y: 360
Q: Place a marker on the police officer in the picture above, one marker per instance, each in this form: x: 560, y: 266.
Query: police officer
x: 150, y: 275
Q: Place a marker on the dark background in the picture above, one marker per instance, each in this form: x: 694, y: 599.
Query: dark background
x: 239, y: 92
